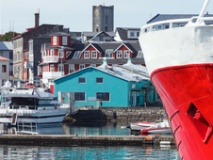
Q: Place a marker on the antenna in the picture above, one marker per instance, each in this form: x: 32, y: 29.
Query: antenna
x: 203, y: 10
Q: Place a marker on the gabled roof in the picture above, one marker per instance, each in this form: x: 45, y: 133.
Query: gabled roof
x: 5, y: 46
x: 92, y: 34
x: 102, y: 34
x: 128, y: 72
x: 93, y: 45
x: 123, y: 32
x: 125, y: 44
x: 101, y: 47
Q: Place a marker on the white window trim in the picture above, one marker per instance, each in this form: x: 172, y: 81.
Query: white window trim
x: 119, y: 54
x: 60, y: 67
x: 55, y: 38
x: 94, y: 53
x: 51, y: 52
x: 52, y: 68
x: 71, y: 68
x: 64, y: 40
x: 86, y: 55
x: 126, y: 54
x: 81, y: 66
x: 60, y: 53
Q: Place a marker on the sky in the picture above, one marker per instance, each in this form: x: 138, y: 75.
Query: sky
x: 17, y: 15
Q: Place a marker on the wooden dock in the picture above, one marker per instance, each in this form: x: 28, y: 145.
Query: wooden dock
x: 83, y: 140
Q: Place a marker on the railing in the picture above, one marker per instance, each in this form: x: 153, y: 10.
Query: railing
x: 52, y: 75
x: 171, y: 23
x: 50, y: 58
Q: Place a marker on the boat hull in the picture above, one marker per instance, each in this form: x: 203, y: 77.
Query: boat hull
x: 140, y: 125
x: 33, y: 116
x: 186, y: 92
x: 180, y: 63
x: 163, y: 130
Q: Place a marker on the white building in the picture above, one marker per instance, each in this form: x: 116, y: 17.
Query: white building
x: 4, y: 70
x: 6, y: 50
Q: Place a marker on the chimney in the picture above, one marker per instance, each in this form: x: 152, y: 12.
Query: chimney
x: 36, y: 20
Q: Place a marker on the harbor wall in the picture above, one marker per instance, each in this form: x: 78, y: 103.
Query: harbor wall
x: 89, y: 140
x: 154, y: 114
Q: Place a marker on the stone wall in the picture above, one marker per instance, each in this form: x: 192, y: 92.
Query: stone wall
x: 153, y: 114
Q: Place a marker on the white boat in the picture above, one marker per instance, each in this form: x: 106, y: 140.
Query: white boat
x: 157, y: 128
x: 137, y: 126
x: 31, y: 105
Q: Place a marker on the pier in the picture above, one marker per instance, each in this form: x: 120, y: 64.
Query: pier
x: 84, y: 140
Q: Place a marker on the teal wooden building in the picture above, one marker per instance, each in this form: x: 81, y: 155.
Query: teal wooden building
x: 108, y: 86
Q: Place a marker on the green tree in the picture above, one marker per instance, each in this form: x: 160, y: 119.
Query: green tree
x: 8, y: 36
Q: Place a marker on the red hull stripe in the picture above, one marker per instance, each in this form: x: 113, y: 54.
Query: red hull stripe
x: 187, y: 94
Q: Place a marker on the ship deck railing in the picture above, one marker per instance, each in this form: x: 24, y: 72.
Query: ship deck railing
x: 174, y: 23
x: 27, y: 127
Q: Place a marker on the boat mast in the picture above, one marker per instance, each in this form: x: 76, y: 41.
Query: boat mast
x: 202, y: 12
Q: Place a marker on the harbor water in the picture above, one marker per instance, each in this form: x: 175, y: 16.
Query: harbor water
x: 86, y: 152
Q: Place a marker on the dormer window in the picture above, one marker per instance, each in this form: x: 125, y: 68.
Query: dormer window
x: 127, y: 54
x: 119, y: 54
x: 94, y: 55
x: 86, y: 55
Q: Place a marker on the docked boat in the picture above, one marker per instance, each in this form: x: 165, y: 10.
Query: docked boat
x: 157, y: 128
x: 30, y: 105
x: 179, y: 58
x: 137, y: 126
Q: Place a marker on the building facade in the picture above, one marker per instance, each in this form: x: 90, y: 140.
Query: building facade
x: 4, y: 68
x: 107, y: 86
x: 23, y: 48
x: 103, y: 18
x: 6, y: 51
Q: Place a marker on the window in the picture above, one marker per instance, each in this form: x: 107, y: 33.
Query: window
x: 94, y: 55
x: 127, y: 54
x: 81, y: 80
x: 52, y: 68
x: 54, y: 40
x: 64, y: 40
x: 99, y: 80
x: 119, y: 54
x: 138, y: 34
x: 60, y: 53
x: 71, y: 68
x: 60, y: 67
x: 86, y: 55
x: 93, y: 65
x: 109, y: 53
x: 77, y: 55
x: 102, y: 96
x: 51, y: 52
x: 4, y: 68
x: 79, y: 96
x: 81, y: 66
x: 132, y: 34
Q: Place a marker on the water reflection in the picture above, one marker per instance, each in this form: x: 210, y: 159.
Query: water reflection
x: 82, y: 152
x: 69, y: 129
x: 87, y: 153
